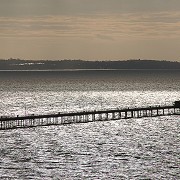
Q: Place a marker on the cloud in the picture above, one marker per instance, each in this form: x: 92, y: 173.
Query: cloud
x: 101, y: 26
x: 17, y: 8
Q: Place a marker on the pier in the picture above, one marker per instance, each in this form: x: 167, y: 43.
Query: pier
x: 87, y: 116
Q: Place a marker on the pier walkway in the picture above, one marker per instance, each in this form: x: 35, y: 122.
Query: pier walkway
x: 85, y: 116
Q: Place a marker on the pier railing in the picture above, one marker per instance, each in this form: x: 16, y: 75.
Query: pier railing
x: 85, y: 116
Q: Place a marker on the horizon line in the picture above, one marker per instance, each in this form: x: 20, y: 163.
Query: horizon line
x: 92, y: 60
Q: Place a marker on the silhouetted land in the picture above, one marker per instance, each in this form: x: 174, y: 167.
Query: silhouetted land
x: 17, y: 64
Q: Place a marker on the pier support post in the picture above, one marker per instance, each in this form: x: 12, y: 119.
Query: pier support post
x: 93, y: 117
x: 138, y: 114
x: 113, y: 116
x: 125, y: 114
x: 107, y: 116
x: 132, y: 114
x: 120, y: 115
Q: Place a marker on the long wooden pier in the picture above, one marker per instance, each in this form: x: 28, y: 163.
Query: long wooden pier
x: 85, y: 116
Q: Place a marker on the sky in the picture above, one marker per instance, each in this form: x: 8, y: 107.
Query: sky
x: 90, y: 29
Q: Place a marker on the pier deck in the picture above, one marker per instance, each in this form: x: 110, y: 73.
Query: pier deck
x: 85, y: 116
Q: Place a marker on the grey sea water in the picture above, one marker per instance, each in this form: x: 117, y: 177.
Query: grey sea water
x: 146, y: 148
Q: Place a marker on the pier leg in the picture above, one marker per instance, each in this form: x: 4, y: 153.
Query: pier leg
x: 93, y: 117
x: 106, y: 116
x: 138, y: 114
x: 100, y: 116
x: 125, y: 115
x: 119, y: 115
x: 132, y: 114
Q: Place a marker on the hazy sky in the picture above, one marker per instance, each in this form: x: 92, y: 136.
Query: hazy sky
x: 90, y: 29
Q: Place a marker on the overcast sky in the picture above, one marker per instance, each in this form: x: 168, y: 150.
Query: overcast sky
x: 90, y: 29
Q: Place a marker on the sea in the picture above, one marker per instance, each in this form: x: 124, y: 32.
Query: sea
x: 139, y: 148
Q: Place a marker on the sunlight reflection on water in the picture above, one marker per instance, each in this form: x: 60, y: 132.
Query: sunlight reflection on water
x: 144, y: 148
x: 48, y: 102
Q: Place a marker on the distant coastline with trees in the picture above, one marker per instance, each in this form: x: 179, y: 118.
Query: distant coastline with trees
x: 18, y: 64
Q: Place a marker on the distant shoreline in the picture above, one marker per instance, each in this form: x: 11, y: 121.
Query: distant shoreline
x: 80, y: 65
